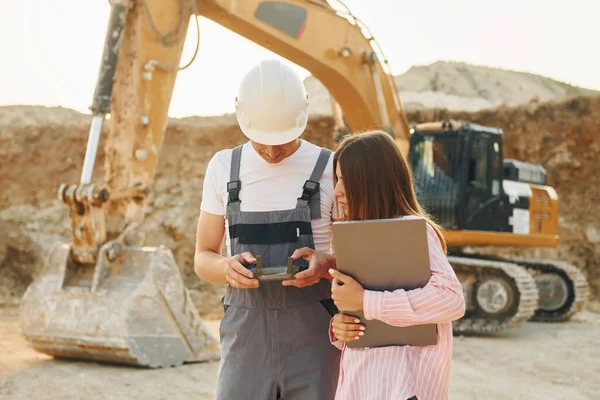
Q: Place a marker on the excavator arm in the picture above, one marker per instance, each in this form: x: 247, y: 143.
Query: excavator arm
x: 143, y: 50
x: 104, y: 297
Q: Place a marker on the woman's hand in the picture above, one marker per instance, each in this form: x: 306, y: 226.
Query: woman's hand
x: 347, y: 294
x: 346, y: 328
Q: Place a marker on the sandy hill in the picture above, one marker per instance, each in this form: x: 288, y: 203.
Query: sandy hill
x: 458, y: 86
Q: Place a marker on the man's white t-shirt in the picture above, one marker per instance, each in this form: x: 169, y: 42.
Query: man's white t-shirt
x: 270, y: 187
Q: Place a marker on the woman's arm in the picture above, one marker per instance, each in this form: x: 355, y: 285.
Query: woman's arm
x: 441, y: 300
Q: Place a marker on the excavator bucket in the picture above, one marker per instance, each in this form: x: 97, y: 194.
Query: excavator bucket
x: 132, y: 310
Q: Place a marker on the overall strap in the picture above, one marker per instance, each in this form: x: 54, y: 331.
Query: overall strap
x: 234, y: 185
x: 311, y: 186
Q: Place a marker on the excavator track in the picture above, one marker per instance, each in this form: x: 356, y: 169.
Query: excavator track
x: 559, y: 301
x: 563, y: 289
x: 518, y: 292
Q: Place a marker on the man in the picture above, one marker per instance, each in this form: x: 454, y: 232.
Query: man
x: 271, y: 196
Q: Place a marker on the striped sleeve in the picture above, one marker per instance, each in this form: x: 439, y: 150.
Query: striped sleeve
x: 441, y: 300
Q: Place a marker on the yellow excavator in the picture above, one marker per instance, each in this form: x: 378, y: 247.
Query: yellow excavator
x: 106, y: 297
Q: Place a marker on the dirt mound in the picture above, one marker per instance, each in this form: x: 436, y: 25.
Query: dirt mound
x: 20, y: 261
x: 497, y: 86
x: 41, y: 148
x: 461, y: 86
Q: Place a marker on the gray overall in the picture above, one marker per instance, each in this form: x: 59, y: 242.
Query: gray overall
x: 274, y: 339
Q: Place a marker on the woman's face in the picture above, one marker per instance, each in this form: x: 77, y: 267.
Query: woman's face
x: 340, y: 192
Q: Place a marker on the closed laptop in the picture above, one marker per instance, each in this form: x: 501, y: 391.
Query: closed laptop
x: 382, y: 255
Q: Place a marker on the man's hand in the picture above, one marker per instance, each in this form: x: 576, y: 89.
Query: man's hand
x: 346, y: 328
x: 347, y: 293
x: 318, y: 265
x: 237, y: 275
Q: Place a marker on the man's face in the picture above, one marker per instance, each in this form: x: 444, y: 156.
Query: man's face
x: 275, y: 154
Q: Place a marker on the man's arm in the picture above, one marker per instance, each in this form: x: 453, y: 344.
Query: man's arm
x: 208, y: 262
x: 210, y: 265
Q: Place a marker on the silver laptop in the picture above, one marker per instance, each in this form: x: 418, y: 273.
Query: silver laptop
x: 387, y: 255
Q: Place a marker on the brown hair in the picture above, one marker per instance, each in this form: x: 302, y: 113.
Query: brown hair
x: 378, y: 180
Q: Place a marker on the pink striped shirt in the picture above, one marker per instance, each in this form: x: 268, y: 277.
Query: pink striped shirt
x: 401, y: 372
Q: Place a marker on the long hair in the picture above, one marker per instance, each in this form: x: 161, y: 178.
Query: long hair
x: 378, y: 180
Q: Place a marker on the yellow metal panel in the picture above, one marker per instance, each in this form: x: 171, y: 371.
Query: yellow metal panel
x: 482, y: 238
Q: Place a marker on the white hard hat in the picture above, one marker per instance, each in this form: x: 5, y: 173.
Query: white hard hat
x: 271, y: 104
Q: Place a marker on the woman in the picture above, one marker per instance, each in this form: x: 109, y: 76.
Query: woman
x: 374, y: 181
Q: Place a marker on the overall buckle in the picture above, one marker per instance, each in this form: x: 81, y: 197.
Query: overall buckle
x: 309, y: 188
x: 233, y: 188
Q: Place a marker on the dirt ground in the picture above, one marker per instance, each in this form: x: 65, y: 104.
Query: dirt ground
x: 534, y: 361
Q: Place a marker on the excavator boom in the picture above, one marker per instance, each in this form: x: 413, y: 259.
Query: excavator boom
x: 104, y: 296
x: 328, y: 43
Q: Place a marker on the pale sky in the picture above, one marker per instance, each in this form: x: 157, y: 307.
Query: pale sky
x: 51, y: 49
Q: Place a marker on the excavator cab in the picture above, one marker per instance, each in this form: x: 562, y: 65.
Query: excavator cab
x: 466, y: 185
x: 481, y: 199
